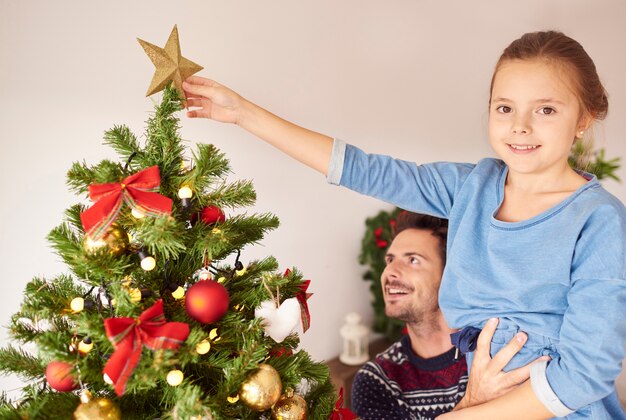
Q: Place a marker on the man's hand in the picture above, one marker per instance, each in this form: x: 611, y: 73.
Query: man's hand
x: 487, y: 379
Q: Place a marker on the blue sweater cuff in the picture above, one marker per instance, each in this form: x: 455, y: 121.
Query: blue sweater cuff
x: 543, y: 391
x: 335, y: 166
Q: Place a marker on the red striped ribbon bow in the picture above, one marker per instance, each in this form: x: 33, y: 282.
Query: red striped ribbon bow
x: 129, y: 335
x: 302, y: 297
x: 137, y: 190
x: 339, y: 412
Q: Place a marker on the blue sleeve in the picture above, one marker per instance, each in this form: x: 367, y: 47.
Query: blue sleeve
x: 429, y: 188
x: 592, y: 336
x: 372, y: 397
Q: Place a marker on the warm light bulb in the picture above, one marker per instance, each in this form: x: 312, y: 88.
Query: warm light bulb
x: 175, y: 377
x: 185, y: 192
x: 203, y: 347
x: 85, y: 346
x: 77, y: 304
x: 137, y: 214
x: 148, y: 263
x: 233, y: 399
x: 179, y: 293
x: 213, y: 334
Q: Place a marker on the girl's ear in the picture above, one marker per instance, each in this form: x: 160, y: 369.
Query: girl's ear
x: 584, y: 122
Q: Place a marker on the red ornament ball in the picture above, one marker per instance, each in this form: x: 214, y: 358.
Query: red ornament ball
x: 60, y: 377
x: 211, y: 215
x: 207, y: 301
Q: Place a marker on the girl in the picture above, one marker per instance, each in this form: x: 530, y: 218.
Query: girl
x: 531, y: 241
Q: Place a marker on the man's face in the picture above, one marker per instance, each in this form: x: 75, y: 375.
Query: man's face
x: 412, y: 277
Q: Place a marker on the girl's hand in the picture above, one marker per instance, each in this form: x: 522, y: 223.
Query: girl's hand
x: 212, y: 100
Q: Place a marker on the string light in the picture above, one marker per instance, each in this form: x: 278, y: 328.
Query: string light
x: 85, y: 346
x: 137, y: 214
x: 203, y: 347
x: 147, y: 262
x: 185, y: 193
x: 175, y: 377
x: 77, y: 304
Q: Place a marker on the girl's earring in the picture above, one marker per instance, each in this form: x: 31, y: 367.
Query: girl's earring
x: 580, y: 134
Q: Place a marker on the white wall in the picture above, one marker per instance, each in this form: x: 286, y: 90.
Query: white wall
x: 407, y: 77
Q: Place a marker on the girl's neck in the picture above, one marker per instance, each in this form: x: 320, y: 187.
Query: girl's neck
x: 558, y: 180
x: 529, y: 195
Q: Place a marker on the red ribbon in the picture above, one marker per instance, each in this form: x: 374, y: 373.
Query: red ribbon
x: 302, y: 297
x: 339, y: 412
x: 129, y: 335
x: 136, y: 190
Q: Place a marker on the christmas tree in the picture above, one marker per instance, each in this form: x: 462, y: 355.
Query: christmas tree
x: 159, y: 316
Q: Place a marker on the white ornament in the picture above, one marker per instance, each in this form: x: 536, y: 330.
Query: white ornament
x: 279, y: 322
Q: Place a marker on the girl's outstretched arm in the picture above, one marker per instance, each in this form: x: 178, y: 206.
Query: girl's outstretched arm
x: 209, y: 99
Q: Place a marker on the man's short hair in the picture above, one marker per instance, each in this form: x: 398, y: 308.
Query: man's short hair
x: 438, y: 227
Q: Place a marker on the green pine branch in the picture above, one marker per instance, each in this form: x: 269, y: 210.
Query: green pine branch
x: 21, y: 363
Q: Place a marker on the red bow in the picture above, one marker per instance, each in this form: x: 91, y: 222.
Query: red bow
x: 128, y: 336
x: 339, y: 412
x: 136, y: 190
x: 302, y: 297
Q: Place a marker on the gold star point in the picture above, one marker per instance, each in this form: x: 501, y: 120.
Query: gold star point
x: 170, y: 64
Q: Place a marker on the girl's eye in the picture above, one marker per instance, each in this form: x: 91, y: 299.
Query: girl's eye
x: 503, y: 109
x: 546, y: 110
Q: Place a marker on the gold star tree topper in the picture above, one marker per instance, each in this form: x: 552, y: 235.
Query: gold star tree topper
x: 169, y: 63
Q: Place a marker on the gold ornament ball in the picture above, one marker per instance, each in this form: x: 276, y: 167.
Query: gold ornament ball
x: 290, y: 408
x: 261, y: 389
x: 135, y: 295
x: 97, y: 409
x: 115, y: 240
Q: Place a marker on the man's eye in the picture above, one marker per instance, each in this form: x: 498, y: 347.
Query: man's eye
x: 414, y: 260
x: 388, y: 260
x: 546, y: 110
x: 503, y: 109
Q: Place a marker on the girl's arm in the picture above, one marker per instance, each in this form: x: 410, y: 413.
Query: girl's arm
x: 521, y: 403
x: 211, y: 100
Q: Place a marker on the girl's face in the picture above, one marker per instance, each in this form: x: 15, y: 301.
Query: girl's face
x: 534, y: 117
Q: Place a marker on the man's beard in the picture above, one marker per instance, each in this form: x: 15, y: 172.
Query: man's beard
x: 412, y: 314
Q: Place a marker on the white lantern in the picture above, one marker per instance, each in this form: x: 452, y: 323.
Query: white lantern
x: 354, y: 336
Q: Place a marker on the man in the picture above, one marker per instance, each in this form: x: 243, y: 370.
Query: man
x: 422, y: 375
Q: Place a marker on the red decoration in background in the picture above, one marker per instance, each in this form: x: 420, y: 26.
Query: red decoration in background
x: 207, y: 301
x: 136, y: 190
x: 129, y: 335
x: 381, y: 243
x: 60, y: 376
x: 339, y: 412
x: 279, y: 351
x: 302, y: 297
x: 212, y: 214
